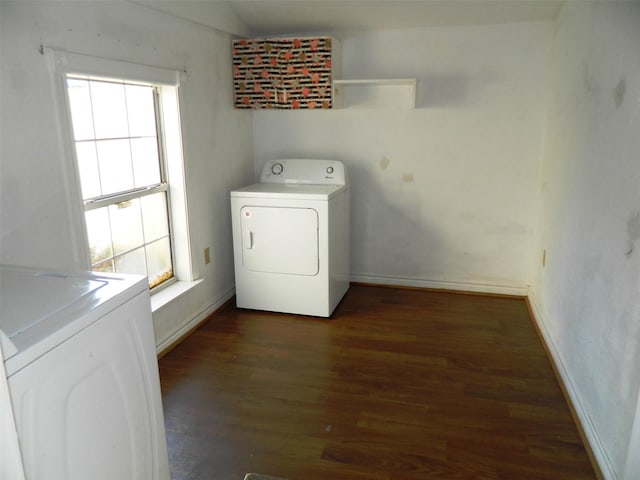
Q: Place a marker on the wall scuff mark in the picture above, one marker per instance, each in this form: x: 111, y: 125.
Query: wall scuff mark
x: 619, y: 91
x: 408, y: 178
x: 633, y: 231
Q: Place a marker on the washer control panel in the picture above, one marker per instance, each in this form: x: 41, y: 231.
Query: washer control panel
x: 304, y: 171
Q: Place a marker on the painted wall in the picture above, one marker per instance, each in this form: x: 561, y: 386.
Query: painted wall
x: 218, y: 15
x: 37, y: 218
x: 587, y: 296
x: 443, y: 195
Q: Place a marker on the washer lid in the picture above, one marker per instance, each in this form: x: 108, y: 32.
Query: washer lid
x: 26, y: 299
x: 40, y: 309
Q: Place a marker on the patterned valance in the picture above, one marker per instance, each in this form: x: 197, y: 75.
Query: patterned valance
x: 283, y: 73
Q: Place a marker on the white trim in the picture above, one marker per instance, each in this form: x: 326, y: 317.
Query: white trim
x: 185, y: 266
x: 490, y: 288
x: 78, y: 234
x: 590, y: 432
x: 167, y: 294
x: 65, y: 63
x: 632, y: 469
x: 183, y: 330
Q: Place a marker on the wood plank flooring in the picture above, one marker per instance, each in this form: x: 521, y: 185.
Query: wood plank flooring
x: 398, y: 385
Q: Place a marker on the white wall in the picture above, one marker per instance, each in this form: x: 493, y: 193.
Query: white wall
x: 588, y: 295
x: 443, y: 195
x: 218, y: 15
x: 37, y: 221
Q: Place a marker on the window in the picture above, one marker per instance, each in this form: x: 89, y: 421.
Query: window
x: 126, y: 182
x: 117, y: 132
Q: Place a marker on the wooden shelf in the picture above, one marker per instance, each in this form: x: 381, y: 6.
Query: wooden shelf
x: 375, y: 93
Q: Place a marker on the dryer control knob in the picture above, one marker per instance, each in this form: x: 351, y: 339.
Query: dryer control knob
x: 277, y: 168
x: 329, y: 170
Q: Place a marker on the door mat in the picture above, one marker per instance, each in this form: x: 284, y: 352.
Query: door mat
x: 259, y: 476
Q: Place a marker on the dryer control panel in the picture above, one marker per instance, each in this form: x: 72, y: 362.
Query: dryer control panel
x: 304, y: 171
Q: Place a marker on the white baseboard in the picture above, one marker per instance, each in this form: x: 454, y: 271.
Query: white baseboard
x: 497, y: 289
x: 592, y: 438
x: 182, y: 330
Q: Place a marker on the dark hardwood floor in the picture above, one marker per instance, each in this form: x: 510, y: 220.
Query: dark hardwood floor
x: 398, y: 384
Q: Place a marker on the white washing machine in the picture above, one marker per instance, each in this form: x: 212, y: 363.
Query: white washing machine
x: 82, y: 374
x: 291, y: 238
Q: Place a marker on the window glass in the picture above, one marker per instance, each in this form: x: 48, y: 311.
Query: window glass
x: 99, y: 235
x: 107, y: 266
x: 109, y: 110
x: 114, y: 160
x: 154, y: 219
x: 140, y: 111
x: 159, y: 261
x: 80, y: 105
x: 89, y: 171
x: 132, y: 262
x: 144, y: 155
x: 126, y: 226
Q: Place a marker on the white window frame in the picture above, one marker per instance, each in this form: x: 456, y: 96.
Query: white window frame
x: 62, y: 64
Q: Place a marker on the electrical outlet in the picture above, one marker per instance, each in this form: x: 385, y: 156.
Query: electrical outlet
x: 207, y: 258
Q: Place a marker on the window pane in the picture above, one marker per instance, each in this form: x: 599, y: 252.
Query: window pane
x: 118, y: 150
x: 146, y: 165
x: 109, y: 110
x: 141, y: 110
x: 80, y: 104
x: 99, y: 235
x: 108, y: 266
x: 88, y: 169
x: 126, y: 226
x: 114, y: 159
x: 132, y: 262
x: 154, y: 216
x: 159, y: 262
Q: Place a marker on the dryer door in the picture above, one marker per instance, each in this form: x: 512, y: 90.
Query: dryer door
x: 280, y: 240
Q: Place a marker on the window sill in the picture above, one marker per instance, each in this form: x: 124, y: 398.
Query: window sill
x: 167, y: 295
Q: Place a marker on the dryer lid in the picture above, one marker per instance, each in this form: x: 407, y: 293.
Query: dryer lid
x: 289, y: 191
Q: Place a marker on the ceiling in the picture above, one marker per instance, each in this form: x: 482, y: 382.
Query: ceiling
x: 269, y: 17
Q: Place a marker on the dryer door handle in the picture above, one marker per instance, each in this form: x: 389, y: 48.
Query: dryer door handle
x: 248, y: 240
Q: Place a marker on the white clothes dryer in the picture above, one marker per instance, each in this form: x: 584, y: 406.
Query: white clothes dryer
x: 291, y: 238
